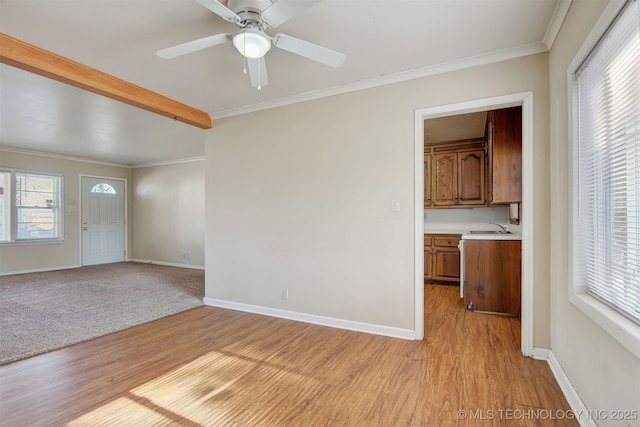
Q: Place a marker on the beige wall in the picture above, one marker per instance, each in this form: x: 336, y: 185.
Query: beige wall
x: 26, y: 257
x: 299, y: 197
x: 604, y: 373
x: 168, y: 213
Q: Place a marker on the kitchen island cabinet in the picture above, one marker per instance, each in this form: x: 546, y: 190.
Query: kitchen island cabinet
x: 492, y: 271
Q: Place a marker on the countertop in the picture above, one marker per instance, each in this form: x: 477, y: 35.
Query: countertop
x: 509, y: 236
x: 466, y: 236
x: 446, y: 231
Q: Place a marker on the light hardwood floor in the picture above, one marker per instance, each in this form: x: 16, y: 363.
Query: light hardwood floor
x: 216, y: 367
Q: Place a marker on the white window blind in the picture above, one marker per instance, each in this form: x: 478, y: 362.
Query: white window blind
x: 607, y: 167
x: 37, y: 206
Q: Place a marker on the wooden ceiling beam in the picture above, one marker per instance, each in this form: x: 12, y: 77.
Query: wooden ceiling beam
x: 33, y: 59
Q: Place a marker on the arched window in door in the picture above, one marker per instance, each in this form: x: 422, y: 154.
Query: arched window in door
x: 103, y: 188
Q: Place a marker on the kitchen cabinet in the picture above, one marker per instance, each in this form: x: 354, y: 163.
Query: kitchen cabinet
x: 445, y: 179
x: 459, y: 178
x: 492, y: 271
x: 428, y: 260
x: 471, y: 178
x: 455, y: 175
x: 427, y: 180
x: 441, y: 258
x: 504, y: 144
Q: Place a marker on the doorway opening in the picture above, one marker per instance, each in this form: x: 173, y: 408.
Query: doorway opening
x: 102, y: 220
x: 524, y: 100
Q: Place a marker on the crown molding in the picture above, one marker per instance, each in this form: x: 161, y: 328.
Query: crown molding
x: 562, y: 8
x: 98, y: 162
x: 168, y: 162
x: 62, y: 157
x: 474, y: 61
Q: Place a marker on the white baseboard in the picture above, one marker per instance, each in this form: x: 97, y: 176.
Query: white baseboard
x: 39, y: 270
x: 169, y: 264
x: 540, y: 353
x: 66, y: 267
x: 575, y: 402
x: 332, y: 322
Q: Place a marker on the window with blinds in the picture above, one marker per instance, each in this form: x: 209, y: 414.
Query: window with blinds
x: 37, y: 206
x: 30, y: 207
x: 607, y: 167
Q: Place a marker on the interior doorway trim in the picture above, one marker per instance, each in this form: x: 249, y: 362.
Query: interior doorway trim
x: 126, y: 213
x: 524, y: 99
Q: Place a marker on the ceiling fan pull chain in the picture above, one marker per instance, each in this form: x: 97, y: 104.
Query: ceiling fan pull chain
x: 259, y: 78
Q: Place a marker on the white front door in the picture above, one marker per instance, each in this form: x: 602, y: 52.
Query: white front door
x: 102, y: 220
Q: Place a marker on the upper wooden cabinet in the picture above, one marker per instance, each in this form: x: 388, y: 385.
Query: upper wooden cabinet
x: 445, y: 179
x: 455, y: 175
x: 477, y: 172
x: 471, y: 178
x: 504, y: 140
x: 427, y: 180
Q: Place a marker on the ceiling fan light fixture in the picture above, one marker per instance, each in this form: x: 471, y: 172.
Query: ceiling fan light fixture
x: 251, y: 43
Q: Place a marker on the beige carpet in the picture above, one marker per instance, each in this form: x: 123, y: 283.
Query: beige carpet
x: 40, y: 312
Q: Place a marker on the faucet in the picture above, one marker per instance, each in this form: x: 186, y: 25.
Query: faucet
x: 503, y: 229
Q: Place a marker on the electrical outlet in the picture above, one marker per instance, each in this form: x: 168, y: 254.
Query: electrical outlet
x: 285, y: 294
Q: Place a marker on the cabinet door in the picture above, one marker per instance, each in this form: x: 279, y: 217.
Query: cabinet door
x: 445, y: 179
x: 446, y: 264
x: 506, y: 155
x: 427, y: 181
x: 471, y: 173
x: 428, y: 263
x: 492, y: 275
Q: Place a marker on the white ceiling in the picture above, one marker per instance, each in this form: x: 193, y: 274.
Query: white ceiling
x: 455, y: 128
x: 384, y: 41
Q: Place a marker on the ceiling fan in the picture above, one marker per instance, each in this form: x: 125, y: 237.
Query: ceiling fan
x: 253, y: 18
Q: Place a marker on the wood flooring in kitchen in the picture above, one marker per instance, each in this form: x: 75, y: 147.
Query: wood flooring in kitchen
x: 215, y: 367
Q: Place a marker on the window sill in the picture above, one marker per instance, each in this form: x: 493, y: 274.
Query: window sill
x: 619, y: 327
x: 32, y: 242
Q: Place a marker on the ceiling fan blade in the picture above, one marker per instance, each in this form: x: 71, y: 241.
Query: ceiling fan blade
x: 192, y: 46
x: 220, y: 10
x: 283, y: 10
x: 258, y: 72
x: 309, y: 50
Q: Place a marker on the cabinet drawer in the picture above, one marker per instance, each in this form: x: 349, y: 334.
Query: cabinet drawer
x: 428, y: 240
x: 447, y: 242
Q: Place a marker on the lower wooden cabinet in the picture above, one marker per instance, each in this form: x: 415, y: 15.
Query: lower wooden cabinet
x: 428, y: 261
x: 492, y: 271
x: 441, y: 258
